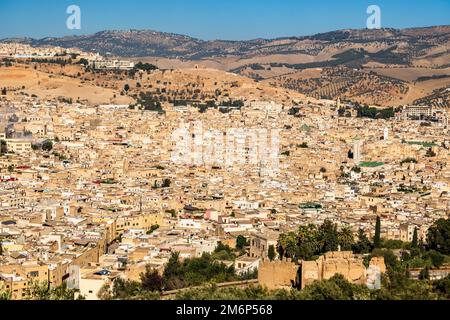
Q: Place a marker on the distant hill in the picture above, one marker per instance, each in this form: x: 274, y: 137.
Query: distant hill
x: 384, y: 67
x: 144, y: 43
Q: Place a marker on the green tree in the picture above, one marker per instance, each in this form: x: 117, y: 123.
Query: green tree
x: 415, y: 241
x: 43, y: 291
x: 335, y: 288
x: 424, y: 274
x: 287, y: 245
x: 308, y: 243
x: 153, y: 228
x: 442, y: 287
x: 328, y: 237
x: 377, y: 237
x: 4, y: 294
x: 47, y: 145
x: 363, y: 245
x: 346, y: 239
x: 437, y: 259
x: 271, y: 253
x: 3, y: 147
x: 166, y: 183
x: 122, y: 289
x: 223, y: 252
x: 241, y: 242
x: 84, y: 62
x: 438, y: 237
x: 151, y: 280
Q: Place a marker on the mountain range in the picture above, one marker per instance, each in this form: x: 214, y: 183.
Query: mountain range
x: 143, y: 43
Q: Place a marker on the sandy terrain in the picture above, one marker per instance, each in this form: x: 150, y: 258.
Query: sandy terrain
x: 46, y: 85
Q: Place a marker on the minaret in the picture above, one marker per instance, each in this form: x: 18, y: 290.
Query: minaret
x: 386, y: 134
x: 357, y: 145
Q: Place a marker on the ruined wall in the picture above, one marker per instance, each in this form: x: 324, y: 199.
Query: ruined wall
x: 277, y: 274
x: 378, y: 262
x: 332, y: 263
x: 376, y: 268
x: 283, y: 274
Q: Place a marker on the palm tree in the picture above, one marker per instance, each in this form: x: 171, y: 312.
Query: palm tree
x: 287, y: 245
x: 346, y: 238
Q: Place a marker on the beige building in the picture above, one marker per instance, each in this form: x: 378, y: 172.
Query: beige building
x: 18, y: 146
x: 260, y: 243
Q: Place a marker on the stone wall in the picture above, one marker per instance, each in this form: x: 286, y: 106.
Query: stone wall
x: 277, y: 274
x: 332, y: 263
x: 284, y: 274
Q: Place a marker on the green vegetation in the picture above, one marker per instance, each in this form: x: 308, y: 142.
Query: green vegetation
x: 356, y: 169
x: 153, y: 229
x: 3, y: 147
x: 377, y: 237
x: 374, y: 113
x: 363, y: 245
x: 438, y: 237
x: 304, y: 145
x: 108, y: 181
x: 145, y: 66
x: 148, y: 102
x: 4, y: 295
x: 241, y: 242
x: 310, y: 205
x: 422, y: 143
x: 408, y: 160
x: 433, y: 77
x: 271, y: 252
x: 59, y: 61
x: 172, y: 213
x: 47, y: 145
x: 43, y: 291
x: 177, y: 275
x: 311, y: 241
x: 354, y: 58
x: 430, y: 153
x: 405, y: 189
x: 335, y: 288
x: 223, y: 253
x: 371, y: 164
x: 84, y: 62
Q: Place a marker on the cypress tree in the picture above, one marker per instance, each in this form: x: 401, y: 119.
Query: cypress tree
x: 271, y: 253
x: 377, y: 238
x: 415, y: 241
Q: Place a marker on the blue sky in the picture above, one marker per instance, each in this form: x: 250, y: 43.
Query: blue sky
x: 215, y: 19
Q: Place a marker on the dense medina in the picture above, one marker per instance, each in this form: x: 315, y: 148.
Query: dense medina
x: 92, y: 193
